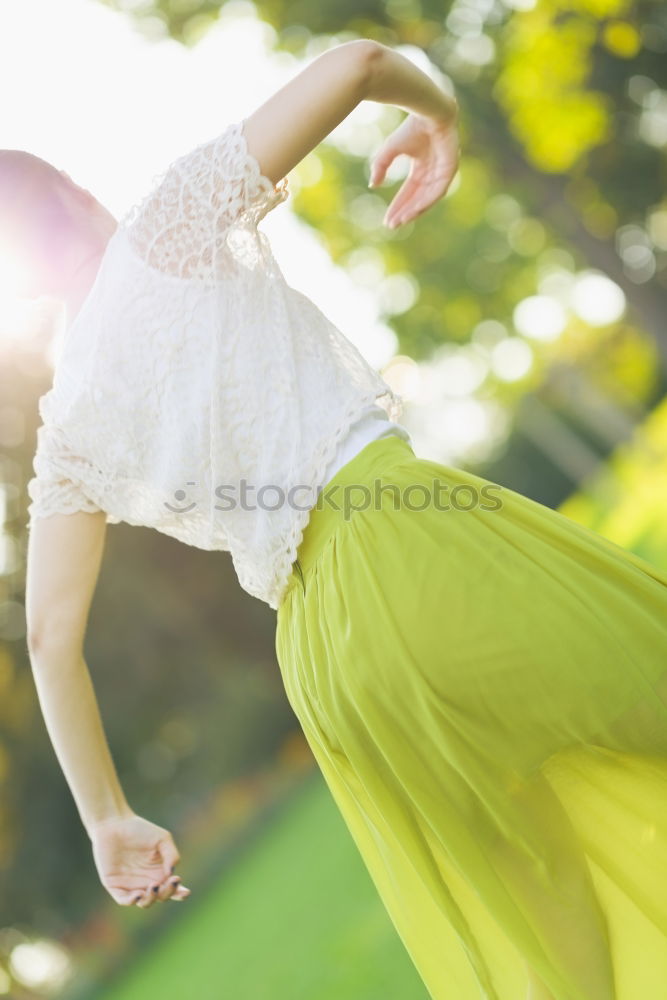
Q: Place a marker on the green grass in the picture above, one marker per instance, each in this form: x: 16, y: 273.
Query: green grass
x: 296, y: 917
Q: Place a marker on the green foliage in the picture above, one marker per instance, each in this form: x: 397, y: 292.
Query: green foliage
x: 550, y: 162
x: 627, y: 501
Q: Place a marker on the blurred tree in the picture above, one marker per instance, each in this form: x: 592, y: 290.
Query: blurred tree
x: 563, y: 133
x: 626, y: 500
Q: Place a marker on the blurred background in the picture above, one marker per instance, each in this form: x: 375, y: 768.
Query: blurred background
x: 523, y: 318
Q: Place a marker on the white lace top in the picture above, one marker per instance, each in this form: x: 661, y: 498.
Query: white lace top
x: 195, y: 388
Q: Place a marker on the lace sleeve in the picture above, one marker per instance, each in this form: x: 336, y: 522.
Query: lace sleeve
x: 214, y: 187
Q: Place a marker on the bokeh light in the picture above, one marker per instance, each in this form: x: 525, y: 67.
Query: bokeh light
x: 41, y: 965
x: 597, y: 299
x: 460, y: 371
x: 397, y: 293
x: 540, y: 317
x: 511, y: 359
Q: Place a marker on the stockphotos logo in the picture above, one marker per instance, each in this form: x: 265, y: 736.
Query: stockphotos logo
x: 348, y: 499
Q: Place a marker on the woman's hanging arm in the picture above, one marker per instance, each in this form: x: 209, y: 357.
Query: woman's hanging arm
x: 131, y: 853
x: 294, y: 120
x: 64, y: 556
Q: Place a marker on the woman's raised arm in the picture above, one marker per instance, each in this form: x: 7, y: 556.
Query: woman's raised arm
x: 294, y: 120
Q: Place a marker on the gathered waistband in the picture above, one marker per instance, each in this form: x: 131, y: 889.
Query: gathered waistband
x: 376, y: 458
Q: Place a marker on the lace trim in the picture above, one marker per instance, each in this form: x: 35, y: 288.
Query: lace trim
x: 235, y: 129
x: 179, y: 226
x: 393, y: 403
x: 280, y: 190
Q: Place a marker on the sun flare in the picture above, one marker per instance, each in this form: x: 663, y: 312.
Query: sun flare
x: 15, y: 274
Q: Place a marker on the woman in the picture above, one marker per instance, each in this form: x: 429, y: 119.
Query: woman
x: 481, y: 680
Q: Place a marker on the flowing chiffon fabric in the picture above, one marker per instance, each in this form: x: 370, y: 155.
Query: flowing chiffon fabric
x: 484, y: 689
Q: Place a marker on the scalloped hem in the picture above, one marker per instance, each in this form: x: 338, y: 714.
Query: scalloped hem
x: 390, y: 401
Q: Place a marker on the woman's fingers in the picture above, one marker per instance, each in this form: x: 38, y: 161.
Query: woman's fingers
x: 404, y: 205
x: 434, y: 153
x: 414, y: 197
x: 169, y: 854
x: 124, y: 897
x: 380, y: 165
x: 160, y: 890
x: 135, y: 859
x: 169, y: 889
x: 144, y: 899
x: 164, y: 890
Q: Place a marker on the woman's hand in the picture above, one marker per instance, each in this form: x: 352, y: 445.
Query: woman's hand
x: 132, y: 857
x: 433, y: 146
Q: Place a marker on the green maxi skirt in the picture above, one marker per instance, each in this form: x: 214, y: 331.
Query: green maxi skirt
x: 483, y: 684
